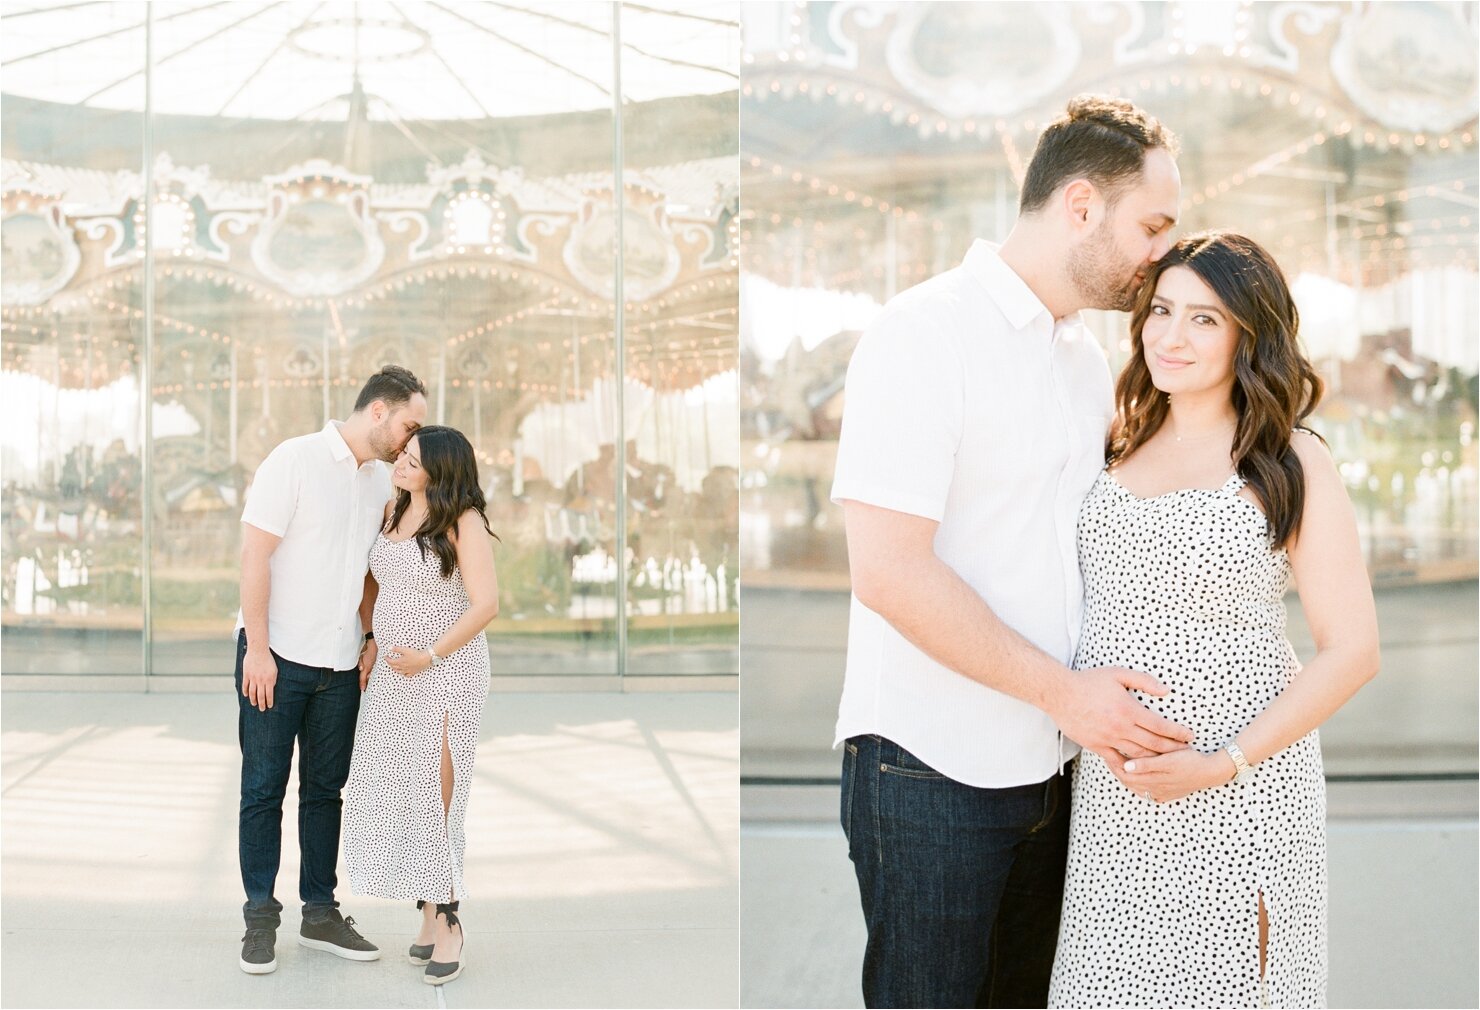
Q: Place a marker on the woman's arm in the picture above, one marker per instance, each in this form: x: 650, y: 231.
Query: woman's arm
x: 370, y: 650
x: 475, y: 560
x: 1336, y: 596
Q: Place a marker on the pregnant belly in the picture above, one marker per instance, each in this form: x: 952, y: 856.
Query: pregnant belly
x: 414, y: 621
x: 1216, y: 684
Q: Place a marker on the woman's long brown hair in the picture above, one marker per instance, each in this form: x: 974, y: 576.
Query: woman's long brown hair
x: 452, y: 489
x: 1274, y: 387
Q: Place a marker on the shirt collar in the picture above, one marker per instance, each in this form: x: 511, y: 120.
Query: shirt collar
x: 337, y: 445
x: 1011, y: 293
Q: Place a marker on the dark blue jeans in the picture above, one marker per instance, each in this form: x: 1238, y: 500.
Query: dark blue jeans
x: 961, y: 886
x: 317, y: 707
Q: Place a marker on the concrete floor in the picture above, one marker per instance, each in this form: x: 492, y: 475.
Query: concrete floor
x: 1402, y: 915
x: 602, y: 859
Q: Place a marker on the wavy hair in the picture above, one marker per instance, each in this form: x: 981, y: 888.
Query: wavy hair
x: 452, y: 489
x: 1274, y: 387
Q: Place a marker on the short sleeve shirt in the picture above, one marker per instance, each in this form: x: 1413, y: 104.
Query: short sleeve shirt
x: 966, y: 403
x: 327, y: 509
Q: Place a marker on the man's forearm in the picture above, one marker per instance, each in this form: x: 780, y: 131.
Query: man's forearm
x: 256, y: 588
x: 937, y: 611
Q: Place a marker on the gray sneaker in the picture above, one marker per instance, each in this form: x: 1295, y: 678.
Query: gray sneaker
x: 337, y: 935
x: 257, y: 951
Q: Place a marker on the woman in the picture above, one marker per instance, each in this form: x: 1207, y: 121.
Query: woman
x: 418, y: 730
x: 1198, y: 877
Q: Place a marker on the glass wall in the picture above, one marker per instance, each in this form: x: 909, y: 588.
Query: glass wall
x: 878, y: 141
x: 683, y: 437
x: 331, y: 188
x: 71, y: 561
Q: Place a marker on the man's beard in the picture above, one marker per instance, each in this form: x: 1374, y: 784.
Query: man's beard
x: 1095, y: 269
x: 382, y: 442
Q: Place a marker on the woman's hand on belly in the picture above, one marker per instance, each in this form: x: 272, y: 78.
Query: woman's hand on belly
x: 407, y: 660
x: 1176, y: 774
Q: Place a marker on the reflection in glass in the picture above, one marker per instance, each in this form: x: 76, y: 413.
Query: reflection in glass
x: 339, y: 186
x: 682, y: 458
x: 71, y: 556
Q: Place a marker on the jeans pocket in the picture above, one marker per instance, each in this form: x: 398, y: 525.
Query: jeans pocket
x: 850, y: 776
x: 1055, y: 793
x: 895, y: 760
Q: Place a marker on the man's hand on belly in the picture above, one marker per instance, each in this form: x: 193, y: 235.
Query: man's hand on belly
x: 1098, y: 713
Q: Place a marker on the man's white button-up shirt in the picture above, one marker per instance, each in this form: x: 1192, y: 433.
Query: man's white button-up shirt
x: 967, y: 404
x: 328, y: 509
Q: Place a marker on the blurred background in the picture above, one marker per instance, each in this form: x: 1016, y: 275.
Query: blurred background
x: 221, y: 218
x: 878, y: 140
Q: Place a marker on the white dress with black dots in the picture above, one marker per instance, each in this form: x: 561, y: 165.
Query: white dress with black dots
x: 395, y: 842
x: 1161, y: 899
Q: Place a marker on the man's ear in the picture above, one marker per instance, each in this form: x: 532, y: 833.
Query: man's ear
x: 1079, y: 200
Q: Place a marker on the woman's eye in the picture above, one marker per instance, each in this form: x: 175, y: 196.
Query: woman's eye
x: 1205, y: 320
x: 1158, y: 310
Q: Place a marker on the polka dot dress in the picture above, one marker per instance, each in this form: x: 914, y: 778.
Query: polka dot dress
x: 395, y: 842
x: 1161, y: 899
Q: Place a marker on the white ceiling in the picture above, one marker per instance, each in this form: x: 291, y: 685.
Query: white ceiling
x: 417, y: 59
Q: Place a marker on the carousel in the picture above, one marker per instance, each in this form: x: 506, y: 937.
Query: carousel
x: 879, y: 140
x: 252, y: 271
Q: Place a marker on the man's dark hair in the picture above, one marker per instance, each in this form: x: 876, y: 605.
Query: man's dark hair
x: 392, y: 385
x: 1101, y: 139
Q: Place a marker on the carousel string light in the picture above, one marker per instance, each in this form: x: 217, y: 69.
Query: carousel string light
x: 508, y: 320
x: 788, y: 84
x: 818, y: 184
x: 1253, y: 171
x: 1443, y: 191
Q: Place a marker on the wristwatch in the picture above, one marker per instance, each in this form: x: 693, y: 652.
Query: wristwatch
x: 436, y: 659
x: 1244, y: 772
x: 369, y: 636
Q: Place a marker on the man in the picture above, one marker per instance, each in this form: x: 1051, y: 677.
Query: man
x: 975, y: 419
x: 312, y: 515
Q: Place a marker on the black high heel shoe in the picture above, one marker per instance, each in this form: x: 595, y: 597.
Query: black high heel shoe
x: 420, y: 953
x: 439, y: 972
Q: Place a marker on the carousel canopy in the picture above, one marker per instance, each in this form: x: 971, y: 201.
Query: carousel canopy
x: 381, y: 61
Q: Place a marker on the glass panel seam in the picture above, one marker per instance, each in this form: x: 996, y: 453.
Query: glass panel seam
x: 619, y: 367
x: 146, y: 378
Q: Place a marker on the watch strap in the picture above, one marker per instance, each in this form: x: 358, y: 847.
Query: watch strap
x: 1243, y: 771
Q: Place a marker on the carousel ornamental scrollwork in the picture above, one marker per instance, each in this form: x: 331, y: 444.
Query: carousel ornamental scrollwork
x: 319, y: 237
x: 1410, y: 66
x: 40, y: 255
x: 981, y: 59
x: 650, y: 260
